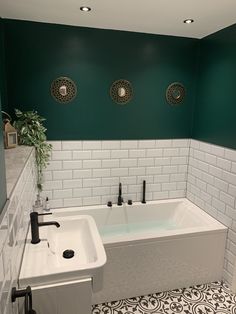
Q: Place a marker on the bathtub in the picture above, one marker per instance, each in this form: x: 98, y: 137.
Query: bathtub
x: 154, y: 247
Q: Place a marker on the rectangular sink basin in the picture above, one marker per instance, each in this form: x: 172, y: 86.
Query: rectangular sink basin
x: 44, y: 262
x: 77, y: 236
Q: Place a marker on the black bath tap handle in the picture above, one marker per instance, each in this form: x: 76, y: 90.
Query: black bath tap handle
x: 44, y: 214
x: 144, y: 192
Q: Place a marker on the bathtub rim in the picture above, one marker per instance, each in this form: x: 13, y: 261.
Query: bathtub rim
x: 131, y: 239
x: 86, y: 207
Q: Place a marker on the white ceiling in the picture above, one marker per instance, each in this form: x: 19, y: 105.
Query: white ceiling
x: 147, y: 16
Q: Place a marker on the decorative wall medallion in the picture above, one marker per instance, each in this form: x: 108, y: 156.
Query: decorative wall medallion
x: 63, y: 89
x: 175, y: 93
x: 121, y: 92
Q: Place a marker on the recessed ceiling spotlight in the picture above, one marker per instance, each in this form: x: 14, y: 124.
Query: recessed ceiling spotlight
x: 188, y: 21
x: 85, y: 9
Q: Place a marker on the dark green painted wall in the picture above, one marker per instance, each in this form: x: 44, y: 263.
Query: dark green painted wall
x: 38, y: 53
x: 2, y: 159
x: 215, y: 112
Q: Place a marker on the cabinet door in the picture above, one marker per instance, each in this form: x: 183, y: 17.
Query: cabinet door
x: 72, y: 297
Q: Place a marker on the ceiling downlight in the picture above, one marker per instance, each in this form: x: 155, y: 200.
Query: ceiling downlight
x: 188, y: 21
x: 85, y: 9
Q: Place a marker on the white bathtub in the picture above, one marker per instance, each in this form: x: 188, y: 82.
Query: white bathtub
x: 155, y: 247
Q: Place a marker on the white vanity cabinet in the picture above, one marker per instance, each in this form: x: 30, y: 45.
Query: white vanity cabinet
x: 72, y: 297
x: 62, y: 284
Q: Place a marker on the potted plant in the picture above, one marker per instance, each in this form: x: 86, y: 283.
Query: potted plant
x: 31, y: 132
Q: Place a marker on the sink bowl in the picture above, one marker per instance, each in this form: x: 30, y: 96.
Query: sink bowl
x: 44, y: 262
x: 80, y: 236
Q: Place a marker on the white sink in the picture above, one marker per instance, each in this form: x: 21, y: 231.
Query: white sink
x: 44, y: 262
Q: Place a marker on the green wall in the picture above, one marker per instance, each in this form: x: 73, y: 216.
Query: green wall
x: 215, y: 112
x: 3, y: 194
x: 37, y: 53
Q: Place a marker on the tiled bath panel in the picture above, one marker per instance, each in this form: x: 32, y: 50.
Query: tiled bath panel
x: 214, y: 298
x: 13, y: 230
x: 211, y: 184
x: 89, y: 172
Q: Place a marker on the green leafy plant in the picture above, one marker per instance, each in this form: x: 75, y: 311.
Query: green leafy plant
x: 31, y: 132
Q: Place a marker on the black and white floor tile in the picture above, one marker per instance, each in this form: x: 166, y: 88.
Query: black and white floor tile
x: 214, y: 298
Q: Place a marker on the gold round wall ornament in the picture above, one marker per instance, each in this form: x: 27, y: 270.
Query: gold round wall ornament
x: 63, y: 89
x: 121, y: 92
x: 175, y: 93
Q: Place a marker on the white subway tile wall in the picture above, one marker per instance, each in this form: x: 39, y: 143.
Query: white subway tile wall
x: 13, y: 231
x: 211, y: 184
x: 89, y: 172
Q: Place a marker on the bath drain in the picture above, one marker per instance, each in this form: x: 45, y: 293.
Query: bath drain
x: 68, y: 254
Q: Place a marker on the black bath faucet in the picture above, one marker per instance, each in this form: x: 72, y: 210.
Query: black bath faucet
x: 35, y: 224
x: 120, y: 198
x: 144, y: 192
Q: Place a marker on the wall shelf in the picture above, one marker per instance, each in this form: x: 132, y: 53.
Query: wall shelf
x: 15, y: 161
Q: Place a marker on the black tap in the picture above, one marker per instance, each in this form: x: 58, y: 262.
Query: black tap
x: 35, y: 224
x: 120, y: 198
x: 144, y: 192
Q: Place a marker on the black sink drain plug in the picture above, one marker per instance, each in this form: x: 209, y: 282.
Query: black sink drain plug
x: 68, y: 254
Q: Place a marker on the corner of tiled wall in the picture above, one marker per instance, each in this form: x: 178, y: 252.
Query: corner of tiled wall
x: 211, y: 184
x: 13, y: 230
x: 89, y: 172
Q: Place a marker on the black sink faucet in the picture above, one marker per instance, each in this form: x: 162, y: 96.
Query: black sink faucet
x: 120, y: 198
x: 35, y: 224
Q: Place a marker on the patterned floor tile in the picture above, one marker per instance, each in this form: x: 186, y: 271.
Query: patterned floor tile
x: 213, y: 298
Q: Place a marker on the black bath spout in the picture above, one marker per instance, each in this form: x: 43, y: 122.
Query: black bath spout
x: 144, y: 192
x: 35, y: 224
x: 120, y: 199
